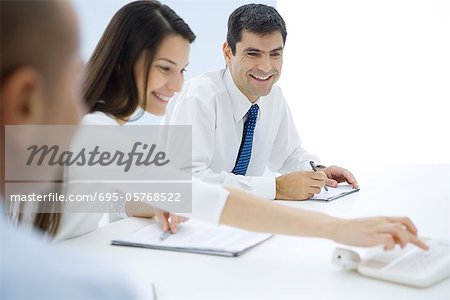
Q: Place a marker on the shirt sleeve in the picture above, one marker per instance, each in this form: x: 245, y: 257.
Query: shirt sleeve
x: 208, y: 201
x: 201, y: 115
x: 117, y: 211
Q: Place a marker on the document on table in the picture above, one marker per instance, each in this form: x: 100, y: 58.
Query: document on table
x: 334, y: 193
x: 196, y: 237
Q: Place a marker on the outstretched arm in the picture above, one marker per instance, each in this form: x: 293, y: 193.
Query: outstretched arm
x: 249, y: 212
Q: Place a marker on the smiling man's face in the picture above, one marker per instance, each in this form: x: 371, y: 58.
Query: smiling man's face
x: 256, y: 65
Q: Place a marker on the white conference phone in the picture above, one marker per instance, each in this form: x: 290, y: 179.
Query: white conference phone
x: 410, y: 265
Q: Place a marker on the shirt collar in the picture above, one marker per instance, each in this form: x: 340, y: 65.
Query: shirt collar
x: 239, y: 101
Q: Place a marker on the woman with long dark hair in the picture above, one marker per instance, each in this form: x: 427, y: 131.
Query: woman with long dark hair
x: 135, y: 69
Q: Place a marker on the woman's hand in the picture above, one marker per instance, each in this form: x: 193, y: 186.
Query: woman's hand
x: 386, y: 231
x: 169, y: 221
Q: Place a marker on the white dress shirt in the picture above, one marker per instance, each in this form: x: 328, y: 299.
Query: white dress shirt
x: 217, y: 109
x: 117, y: 210
x: 208, y: 200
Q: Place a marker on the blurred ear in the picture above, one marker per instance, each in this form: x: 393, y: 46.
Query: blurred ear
x: 22, y: 96
x: 227, y: 53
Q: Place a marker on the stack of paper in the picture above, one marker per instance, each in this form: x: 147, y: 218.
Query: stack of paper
x: 196, y: 237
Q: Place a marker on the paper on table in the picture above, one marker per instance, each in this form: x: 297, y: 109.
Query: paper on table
x: 197, y: 237
x: 334, y: 193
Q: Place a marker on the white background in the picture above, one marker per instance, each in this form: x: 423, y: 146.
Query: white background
x: 368, y: 82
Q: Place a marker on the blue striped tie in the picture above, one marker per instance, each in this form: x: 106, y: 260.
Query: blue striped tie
x: 245, y: 152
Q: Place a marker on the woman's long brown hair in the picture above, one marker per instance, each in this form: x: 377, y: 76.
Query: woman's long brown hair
x: 109, y: 84
x: 48, y: 216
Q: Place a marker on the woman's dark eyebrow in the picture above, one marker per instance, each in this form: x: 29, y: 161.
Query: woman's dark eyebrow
x: 171, y: 61
x: 168, y: 60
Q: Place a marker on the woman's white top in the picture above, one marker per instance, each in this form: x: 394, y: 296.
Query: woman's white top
x: 139, y: 117
x: 208, y: 200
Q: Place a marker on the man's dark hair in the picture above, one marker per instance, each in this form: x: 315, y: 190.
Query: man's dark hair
x: 33, y: 34
x: 256, y: 18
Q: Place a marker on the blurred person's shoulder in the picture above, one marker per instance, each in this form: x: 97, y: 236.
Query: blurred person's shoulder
x: 32, y: 268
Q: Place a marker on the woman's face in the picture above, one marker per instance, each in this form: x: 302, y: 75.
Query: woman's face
x: 165, y: 77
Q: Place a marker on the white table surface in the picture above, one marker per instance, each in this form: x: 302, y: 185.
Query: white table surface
x: 287, y: 267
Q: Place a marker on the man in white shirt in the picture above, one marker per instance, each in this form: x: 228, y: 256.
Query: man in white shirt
x: 39, y: 66
x: 241, y: 123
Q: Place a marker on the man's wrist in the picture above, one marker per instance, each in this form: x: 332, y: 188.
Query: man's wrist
x: 279, y: 188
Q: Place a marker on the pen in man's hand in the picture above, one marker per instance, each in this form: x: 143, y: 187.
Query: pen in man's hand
x: 165, y: 235
x: 314, y: 167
